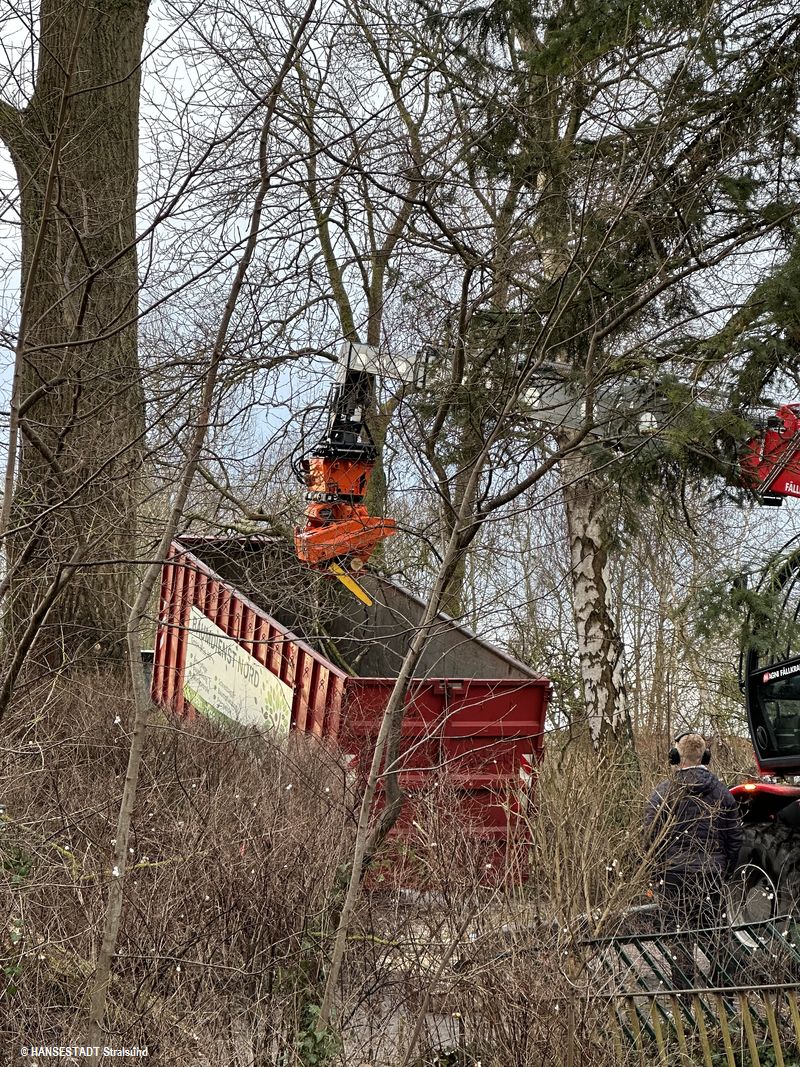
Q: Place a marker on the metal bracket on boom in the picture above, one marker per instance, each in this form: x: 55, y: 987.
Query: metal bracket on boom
x: 630, y: 411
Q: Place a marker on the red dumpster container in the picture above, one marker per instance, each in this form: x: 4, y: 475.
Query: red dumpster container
x: 246, y: 634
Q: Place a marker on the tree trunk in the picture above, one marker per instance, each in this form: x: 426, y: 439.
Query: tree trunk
x: 599, y: 644
x: 78, y: 393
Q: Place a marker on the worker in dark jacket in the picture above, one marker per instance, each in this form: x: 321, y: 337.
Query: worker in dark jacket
x: 693, y: 828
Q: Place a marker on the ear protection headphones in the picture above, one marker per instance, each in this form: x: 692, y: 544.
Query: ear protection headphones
x: 675, y: 756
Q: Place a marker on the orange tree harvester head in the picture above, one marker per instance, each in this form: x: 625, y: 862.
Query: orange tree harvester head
x: 339, y: 535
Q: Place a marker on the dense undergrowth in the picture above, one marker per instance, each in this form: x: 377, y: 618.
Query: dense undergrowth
x: 235, y: 851
x: 238, y: 854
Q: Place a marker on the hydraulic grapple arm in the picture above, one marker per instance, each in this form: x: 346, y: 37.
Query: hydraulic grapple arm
x: 339, y: 535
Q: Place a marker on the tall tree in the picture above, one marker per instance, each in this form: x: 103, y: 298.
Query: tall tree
x: 77, y: 419
x: 649, y: 149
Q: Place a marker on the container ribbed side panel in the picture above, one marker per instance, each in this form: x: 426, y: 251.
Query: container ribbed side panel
x: 317, y: 685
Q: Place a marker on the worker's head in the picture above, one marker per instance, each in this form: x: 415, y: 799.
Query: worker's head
x: 692, y: 750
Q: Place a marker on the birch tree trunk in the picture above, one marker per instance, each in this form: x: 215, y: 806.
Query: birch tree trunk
x: 600, y: 649
x: 77, y: 405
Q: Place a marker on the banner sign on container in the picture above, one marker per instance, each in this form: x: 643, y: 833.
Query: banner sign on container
x: 226, y: 683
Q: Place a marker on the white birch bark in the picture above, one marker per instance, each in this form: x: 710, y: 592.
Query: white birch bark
x: 600, y: 648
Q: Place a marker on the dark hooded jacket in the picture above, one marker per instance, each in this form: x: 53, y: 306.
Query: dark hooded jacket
x: 694, y: 822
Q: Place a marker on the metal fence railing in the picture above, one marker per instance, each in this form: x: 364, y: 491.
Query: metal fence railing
x: 758, y: 1026
x: 748, y: 1016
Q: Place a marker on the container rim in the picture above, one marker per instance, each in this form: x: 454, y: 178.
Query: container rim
x: 267, y: 539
